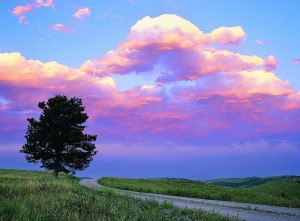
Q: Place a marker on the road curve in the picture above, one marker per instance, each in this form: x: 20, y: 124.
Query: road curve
x: 244, y: 211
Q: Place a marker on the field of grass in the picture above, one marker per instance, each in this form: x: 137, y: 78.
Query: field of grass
x: 195, y: 189
x: 33, y: 196
x: 248, y: 181
x: 288, y: 189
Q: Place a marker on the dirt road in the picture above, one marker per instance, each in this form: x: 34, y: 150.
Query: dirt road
x: 244, y: 211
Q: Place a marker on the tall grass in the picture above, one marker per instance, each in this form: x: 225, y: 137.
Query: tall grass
x: 33, y: 196
x: 195, y: 189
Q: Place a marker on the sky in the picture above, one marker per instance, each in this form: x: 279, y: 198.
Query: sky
x: 192, y: 89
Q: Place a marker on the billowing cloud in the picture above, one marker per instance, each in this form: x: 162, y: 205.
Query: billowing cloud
x: 227, y: 35
x: 176, y: 32
x: 168, y: 40
x: 219, y: 79
x: 82, y: 13
x: 25, y: 82
x: 16, y: 70
x: 202, y: 93
x: 61, y: 27
x: 180, y: 48
x: 21, y: 10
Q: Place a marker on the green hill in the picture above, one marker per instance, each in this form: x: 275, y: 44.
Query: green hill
x: 287, y: 189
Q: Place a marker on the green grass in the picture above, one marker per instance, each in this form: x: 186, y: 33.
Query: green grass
x: 33, y: 196
x: 195, y: 189
x: 288, y: 189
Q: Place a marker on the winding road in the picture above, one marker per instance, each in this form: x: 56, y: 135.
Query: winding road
x: 244, y: 211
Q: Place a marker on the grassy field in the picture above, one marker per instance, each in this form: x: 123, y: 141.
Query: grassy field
x: 195, y: 189
x: 248, y: 181
x: 288, y: 189
x: 32, y: 196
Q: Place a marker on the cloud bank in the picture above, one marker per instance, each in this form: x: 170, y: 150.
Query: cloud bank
x: 204, y: 96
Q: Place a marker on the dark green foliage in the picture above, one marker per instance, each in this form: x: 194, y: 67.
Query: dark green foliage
x: 196, y: 189
x: 57, y: 139
x: 38, y: 196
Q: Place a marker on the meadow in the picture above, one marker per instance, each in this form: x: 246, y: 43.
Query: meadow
x: 284, y: 188
x: 34, y: 195
x: 269, y: 194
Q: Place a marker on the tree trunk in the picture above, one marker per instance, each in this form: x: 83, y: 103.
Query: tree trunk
x: 55, y: 173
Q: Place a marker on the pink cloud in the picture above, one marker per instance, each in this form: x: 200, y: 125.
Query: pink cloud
x: 82, y: 13
x: 215, y: 104
x: 271, y: 63
x: 61, y: 27
x: 22, y: 20
x: 203, y: 93
x: 21, y: 10
x: 173, y: 29
x: 16, y: 70
x: 295, y: 61
x: 26, y: 82
x: 260, y: 42
x: 183, y: 52
x: 47, y: 3
x: 228, y: 35
x: 186, y: 50
x: 187, y: 66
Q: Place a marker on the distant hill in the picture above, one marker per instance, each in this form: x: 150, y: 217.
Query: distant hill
x: 248, y: 181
